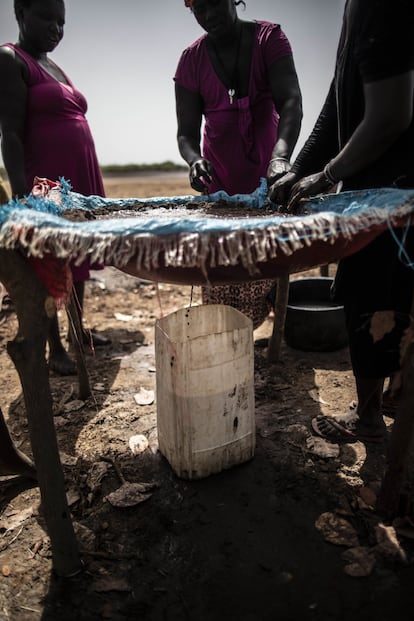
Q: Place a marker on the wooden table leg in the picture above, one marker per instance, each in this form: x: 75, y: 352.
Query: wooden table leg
x: 281, y: 302
x: 34, y: 308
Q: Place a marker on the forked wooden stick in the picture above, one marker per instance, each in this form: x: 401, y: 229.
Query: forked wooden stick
x: 34, y: 309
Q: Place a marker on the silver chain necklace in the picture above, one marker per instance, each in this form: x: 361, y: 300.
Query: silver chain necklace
x: 234, y: 78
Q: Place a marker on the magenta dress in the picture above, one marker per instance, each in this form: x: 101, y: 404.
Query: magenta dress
x: 238, y: 137
x: 57, y: 140
x: 238, y: 140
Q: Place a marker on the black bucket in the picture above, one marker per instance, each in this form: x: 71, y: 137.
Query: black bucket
x: 313, y: 321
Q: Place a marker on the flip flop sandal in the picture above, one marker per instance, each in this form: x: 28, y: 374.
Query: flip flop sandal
x: 7, y: 305
x: 330, y: 429
x: 342, y: 428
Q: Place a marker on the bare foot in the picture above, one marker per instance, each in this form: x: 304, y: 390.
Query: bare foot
x: 61, y: 363
x: 348, y: 428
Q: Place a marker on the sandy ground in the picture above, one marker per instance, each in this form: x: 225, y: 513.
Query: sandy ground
x: 290, y: 534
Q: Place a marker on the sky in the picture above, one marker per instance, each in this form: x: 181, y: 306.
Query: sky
x: 123, y: 54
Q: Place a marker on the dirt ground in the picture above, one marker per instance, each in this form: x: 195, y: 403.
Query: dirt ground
x: 290, y: 535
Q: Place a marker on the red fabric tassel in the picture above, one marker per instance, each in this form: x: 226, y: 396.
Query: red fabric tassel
x: 55, y: 275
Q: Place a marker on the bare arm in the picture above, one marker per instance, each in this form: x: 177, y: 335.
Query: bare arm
x: 320, y: 146
x: 13, y: 102
x: 388, y: 113
x: 189, y: 118
x: 287, y: 97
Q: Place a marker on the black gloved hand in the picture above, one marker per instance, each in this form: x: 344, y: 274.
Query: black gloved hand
x: 201, y: 172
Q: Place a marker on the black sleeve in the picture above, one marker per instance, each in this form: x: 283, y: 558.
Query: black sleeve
x: 323, y: 143
x: 384, y: 44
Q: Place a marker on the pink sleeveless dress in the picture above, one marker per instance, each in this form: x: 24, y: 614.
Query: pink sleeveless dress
x: 238, y: 137
x: 57, y: 140
x: 238, y: 140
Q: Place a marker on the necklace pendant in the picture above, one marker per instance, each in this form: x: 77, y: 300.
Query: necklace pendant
x: 232, y: 93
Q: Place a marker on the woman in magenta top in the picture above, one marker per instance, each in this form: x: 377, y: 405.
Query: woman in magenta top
x: 57, y: 136
x: 44, y: 131
x: 238, y: 82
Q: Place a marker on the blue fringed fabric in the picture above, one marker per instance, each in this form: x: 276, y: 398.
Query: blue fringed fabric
x: 146, y: 237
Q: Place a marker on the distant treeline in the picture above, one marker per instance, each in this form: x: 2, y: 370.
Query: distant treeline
x: 166, y: 166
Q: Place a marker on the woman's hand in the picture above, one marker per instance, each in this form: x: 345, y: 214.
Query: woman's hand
x: 278, y: 166
x: 201, y: 172
x: 318, y: 183
x: 279, y: 191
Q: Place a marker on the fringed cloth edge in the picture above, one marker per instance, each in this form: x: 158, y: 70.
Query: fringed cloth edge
x: 256, y: 240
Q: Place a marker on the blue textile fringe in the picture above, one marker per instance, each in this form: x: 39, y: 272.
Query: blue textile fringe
x: 37, y: 225
x: 352, y: 203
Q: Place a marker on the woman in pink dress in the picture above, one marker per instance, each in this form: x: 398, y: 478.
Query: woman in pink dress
x: 44, y: 131
x: 240, y: 80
